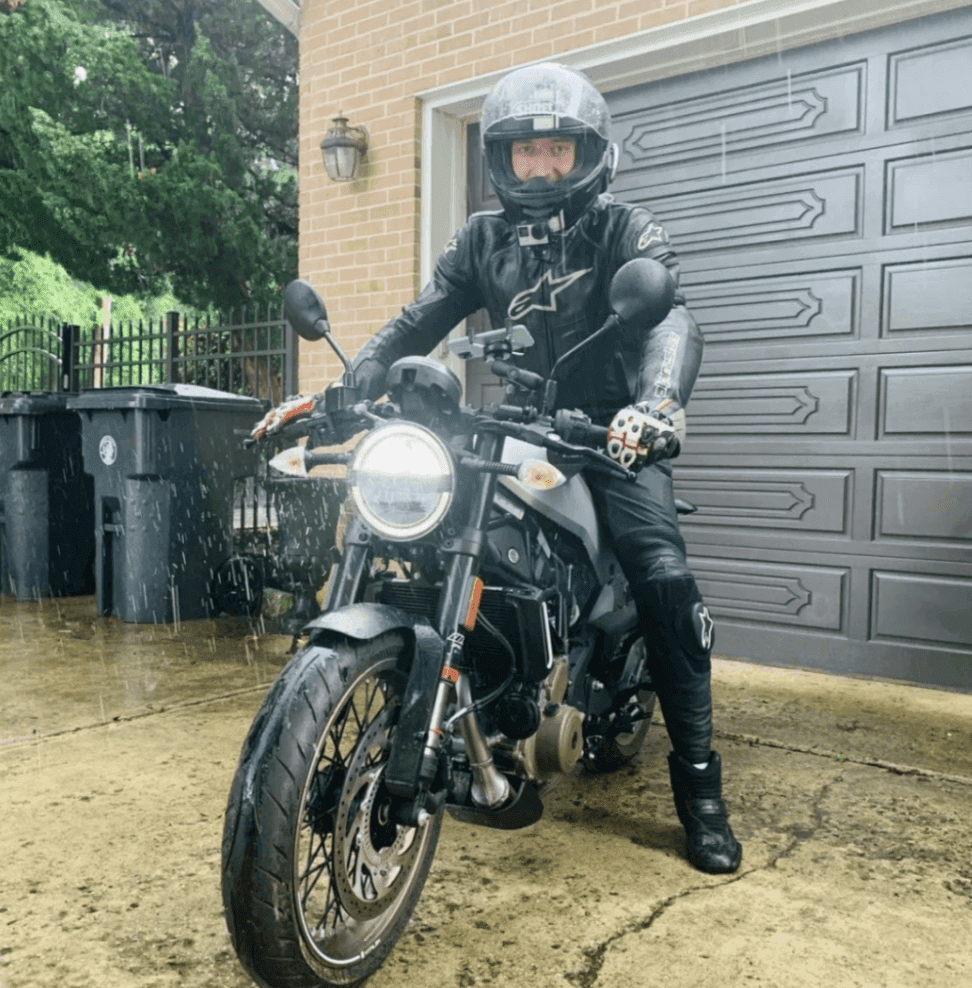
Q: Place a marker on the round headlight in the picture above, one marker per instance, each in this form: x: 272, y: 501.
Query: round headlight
x: 402, y: 481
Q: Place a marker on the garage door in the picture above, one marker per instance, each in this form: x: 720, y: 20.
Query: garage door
x: 821, y: 204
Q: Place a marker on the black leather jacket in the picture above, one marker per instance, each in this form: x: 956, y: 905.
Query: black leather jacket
x: 559, y: 290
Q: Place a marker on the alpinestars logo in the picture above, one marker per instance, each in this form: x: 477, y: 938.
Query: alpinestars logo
x: 707, y: 624
x: 652, y: 234
x: 526, y: 301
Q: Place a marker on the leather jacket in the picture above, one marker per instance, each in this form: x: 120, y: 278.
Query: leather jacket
x: 557, y: 286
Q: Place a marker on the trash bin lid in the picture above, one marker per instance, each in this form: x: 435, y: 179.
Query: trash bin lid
x: 162, y: 396
x: 32, y: 403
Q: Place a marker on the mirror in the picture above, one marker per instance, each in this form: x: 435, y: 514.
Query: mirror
x: 304, y: 310
x: 642, y: 291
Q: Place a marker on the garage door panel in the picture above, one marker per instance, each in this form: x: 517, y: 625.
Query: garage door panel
x: 805, y: 404
x: 786, y: 500
x: 924, y: 505
x: 925, y: 296
x: 921, y: 607
x: 800, y: 596
x: 926, y: 401
x: 797, y: 306
x: 931, y: 81
x: 784, y: 111
x: 765, y: 211
x: 930, y: 190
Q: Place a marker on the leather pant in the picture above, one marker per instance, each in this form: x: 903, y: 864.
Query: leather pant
x: 641, y: 522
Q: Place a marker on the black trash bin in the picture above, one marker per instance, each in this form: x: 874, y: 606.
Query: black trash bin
x: 163, y: 459
x: 308, y: 510
x: 46, y: 501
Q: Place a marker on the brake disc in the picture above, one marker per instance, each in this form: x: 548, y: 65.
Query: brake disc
x: 373, y: 856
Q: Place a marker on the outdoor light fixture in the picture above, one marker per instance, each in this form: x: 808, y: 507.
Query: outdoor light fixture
x: 343, y: 149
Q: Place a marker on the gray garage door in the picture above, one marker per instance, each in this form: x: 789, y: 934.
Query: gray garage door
x: 821, y: 204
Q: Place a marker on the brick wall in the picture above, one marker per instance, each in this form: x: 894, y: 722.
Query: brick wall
x: 359, y: 242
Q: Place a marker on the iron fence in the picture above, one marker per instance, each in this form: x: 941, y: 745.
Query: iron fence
x: 248, y: 352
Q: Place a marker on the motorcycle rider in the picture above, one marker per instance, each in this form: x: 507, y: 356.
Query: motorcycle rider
x: 546, y: 261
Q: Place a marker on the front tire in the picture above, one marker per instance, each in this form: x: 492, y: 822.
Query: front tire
x: 318, y: 878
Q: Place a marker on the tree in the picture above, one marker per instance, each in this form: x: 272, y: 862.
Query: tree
x: 145, y: 141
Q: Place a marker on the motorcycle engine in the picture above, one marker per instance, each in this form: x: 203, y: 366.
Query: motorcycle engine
x: 558, y: 742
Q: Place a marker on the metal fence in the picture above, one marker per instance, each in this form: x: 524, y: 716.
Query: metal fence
x: 248, y: 353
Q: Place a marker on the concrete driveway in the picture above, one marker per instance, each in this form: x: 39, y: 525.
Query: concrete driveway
x: 853, y: 800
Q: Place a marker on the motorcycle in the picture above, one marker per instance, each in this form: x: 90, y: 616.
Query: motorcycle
x: 478, y: 643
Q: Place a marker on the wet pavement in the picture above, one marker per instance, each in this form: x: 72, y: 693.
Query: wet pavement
x: 852, y: 798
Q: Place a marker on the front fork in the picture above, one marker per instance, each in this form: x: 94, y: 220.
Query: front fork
x: 466, y: 547
x: 413, y: 767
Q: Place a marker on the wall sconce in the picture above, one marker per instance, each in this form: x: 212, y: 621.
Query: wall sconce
x: 344, y: 148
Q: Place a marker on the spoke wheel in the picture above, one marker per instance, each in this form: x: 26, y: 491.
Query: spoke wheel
x: 617, y: 749
x: 352, y: 874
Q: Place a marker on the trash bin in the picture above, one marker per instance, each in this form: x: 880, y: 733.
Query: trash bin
x: 163, y: 459
x: 308, y: 510
x: 46, y: 501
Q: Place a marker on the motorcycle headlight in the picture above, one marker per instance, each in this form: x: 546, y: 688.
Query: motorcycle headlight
x: 402, y: 481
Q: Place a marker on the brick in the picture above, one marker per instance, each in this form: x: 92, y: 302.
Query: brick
x: 618, y: 29
x: 697, y: 7
x: 591, y: 22
x: 667, y: 16
x: 635, y: 8
x: 475, y: 21
x: 455, y: 43
x: 453, y: 11
x: 384, y: 212
x: 566, y: 9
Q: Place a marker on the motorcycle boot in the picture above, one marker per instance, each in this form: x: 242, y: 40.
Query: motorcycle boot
x: 678, y: 635
x: 712, y: 847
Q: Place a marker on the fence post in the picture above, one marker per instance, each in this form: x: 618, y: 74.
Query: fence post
x: 172, y: 349
x: 69, y: 373
x: 290, y: 361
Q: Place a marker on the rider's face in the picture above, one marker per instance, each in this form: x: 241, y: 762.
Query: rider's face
x: 544, y: 157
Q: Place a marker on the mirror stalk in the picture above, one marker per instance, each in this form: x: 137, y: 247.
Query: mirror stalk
x: 550, y: 396
x: 323, y: 328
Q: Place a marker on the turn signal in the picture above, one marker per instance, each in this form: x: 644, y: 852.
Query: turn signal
x: 540, y: 475
x: 291, y: 462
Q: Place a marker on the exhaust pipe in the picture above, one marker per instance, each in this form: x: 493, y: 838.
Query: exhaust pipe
x: 490, y: 787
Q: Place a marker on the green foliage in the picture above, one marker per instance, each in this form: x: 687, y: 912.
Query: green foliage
x: 146, y: 143
x: 36, y: 287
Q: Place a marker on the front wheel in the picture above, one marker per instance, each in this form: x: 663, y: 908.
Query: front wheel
x: 319, y: 879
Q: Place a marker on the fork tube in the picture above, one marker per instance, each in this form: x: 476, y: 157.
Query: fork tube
x: 346, y: 579
x: 467, y: 545
x: 490, y: 786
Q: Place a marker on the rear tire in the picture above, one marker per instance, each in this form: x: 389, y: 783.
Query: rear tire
x: 617, y: 750
x: 318, y: 880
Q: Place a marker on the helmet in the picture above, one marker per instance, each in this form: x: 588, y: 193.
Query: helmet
x: 548, y: 100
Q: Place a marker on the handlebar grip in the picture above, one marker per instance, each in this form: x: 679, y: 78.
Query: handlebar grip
x: 597, y: 433
x: 527, y: 379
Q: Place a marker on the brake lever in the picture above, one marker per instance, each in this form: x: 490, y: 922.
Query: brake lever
x: 601, y: 461
x: 597, y: 459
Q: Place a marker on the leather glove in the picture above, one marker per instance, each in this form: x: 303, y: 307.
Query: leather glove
x: 294, y: 408
x: 640, y: 435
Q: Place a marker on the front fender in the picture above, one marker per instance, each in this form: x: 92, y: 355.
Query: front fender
x: 362, y: 622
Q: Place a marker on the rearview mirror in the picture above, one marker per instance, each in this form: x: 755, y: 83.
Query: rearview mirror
x: 304, y: 310
x: 642, y: 291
